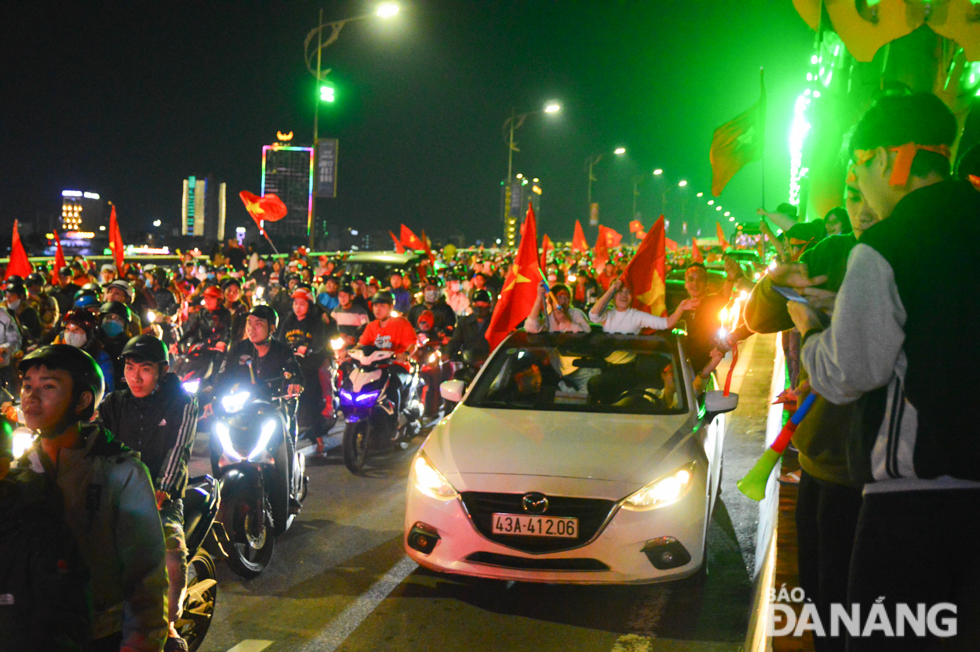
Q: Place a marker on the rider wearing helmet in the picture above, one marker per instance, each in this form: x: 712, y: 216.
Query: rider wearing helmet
x: 114, y: 320
x: 166, y: 301
x: 41, y: 301
x: 211, y: 324
x: 15, y: 295
x: 156, y: 417
x: 304, y: 331
x: 260, y: 355
x: 444, y: 319
x: 81, y: 331
x: 109, y: 503
x: 471, y: 330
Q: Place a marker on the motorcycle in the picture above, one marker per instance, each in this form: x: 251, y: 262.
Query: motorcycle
x: 198, y: 366
x: 378, y: 418
x: 263, y: 481
x: 433, y: 369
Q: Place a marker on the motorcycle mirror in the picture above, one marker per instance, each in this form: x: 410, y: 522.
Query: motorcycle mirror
x: 452, y: 390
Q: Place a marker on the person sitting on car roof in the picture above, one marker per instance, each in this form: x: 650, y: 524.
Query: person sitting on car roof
x: 623, y: 318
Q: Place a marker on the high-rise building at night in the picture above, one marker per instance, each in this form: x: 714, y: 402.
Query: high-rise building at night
x: 287, y: 172
x: 81, y: 212
x: 202, y: 208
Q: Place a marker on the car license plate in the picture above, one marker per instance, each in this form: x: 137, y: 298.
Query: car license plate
x: 535, y: 526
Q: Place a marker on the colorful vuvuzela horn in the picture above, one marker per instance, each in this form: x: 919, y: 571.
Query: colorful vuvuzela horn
x: 754, y: 483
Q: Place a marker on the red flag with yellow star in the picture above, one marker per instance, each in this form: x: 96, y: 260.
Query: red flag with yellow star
x: 399, y: 249
x: 115, y: 241
x: 645, y: 274
x: 410, y: 240
x: 59, y: 258
x: 546, y: 246
x: 737, y: 143
x: 18, y: 264
x: 721, y: 236
x: 578, y: 239
x: 601, y: 252
x: 267, y: 208
x: 696, y: 254
x: 520, y: 287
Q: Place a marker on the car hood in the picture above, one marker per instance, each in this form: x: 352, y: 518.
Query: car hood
x: 611, y: 447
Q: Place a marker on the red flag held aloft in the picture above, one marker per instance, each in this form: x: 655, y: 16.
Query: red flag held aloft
x: 427, y: 247
x: 520, y: 287
x: 268, y: 208
x: 601, y: 252
x: 721, y: 237
x: 546, y: 246
x: 115, y: 242
x: 399, y: 249
x: 613, y: 238
x: 671, y: 244
x: 636, y: 226
x: 18, y: 263
x: 696, y: 252
x: 410, y: 240
x: 578, y: 239
x: 646, y: 272
x: 737, y: 143
x: 59, y: 259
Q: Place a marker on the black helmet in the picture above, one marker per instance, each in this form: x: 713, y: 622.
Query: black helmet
x: 116, y: 308
x: 13, y: 279
x: 34, y: 279
x: 85, y: 372
x: 145, y: 348
x: 263, y: 311
x: 92, y: 287
x: 160, y: 276
x: 383, y: 297
x: 481, y: 295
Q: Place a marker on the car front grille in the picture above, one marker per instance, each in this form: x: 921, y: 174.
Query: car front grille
x: 524, y: 563
x: 590, y: 512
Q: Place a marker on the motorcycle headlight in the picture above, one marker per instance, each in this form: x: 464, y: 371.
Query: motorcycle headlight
x: 152, y: 316
x: 234, y: 402
x: 429, y: 481
x: 367, y: 398
x: 434, y: 357
x: 224, y: 437
x: 268, y: 428
x: 337, y: 343
x: 191, y: 386
x: 22, y: 440
x: 662, y: 492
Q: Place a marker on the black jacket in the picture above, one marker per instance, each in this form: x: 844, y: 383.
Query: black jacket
x: 207, y: 326
x: 160, y: 427
x: 279, y: 364
x: 311, y: 333
x: 470, y: 334
x: 443, y: 315
x: 44, y: 583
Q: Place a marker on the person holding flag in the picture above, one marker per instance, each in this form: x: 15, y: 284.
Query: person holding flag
x: 624, y: 318
x: 562, y: 318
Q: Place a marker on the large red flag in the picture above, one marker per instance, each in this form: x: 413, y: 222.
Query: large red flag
x: 601, y: 252
x: 645, y: 273
x: 696, y: 252
x: 267, y: 208
x: 520, y: 287
x: 737, y: 143
x: 399, y: 249
x: 18, y: 263
x: 546, y: 246
x: 427, y: 247
x: 59, y: 258
x: 115, y: 241
x: 410, y: 240
x: 721, y: 237
x: 613, y: 237
x: 578, y: 239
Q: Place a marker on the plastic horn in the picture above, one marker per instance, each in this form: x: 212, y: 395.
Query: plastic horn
x: 754, y: 483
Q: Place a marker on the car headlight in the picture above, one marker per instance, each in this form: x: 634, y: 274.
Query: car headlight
x: 662, y: 492
x: 191, y: 386
x: 268, y: 428
x: 234, y: 402
x: 429, y: 481
x: 224, y: 437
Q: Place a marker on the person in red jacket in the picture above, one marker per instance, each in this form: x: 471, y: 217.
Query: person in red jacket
x: 388, y: 332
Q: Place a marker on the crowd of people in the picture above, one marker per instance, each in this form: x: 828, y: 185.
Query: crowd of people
x: 884, y: 439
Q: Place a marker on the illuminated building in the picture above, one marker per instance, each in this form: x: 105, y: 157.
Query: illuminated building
x: 287, y: 172
x: 81, y: 212
x: 202, y: 208
x: 514, y: 201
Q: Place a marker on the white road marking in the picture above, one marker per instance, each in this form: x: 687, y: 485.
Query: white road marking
x: 251, y: 645
x: 331, y: 636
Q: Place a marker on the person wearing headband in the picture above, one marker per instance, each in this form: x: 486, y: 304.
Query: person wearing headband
x: 900, y: 347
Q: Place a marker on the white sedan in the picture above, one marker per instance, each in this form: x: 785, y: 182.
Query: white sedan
x: 572, y: 458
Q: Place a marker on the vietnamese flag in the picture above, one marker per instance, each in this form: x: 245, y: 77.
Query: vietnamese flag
x: 578, y: 240
x: 636, y: 226
x: 115, y: 241
x: 612, y: 237
x: 427, y: 247
x: 267, y: 208
x: 601, y: 252
x: 59, y: 259
x: 520, y: 287
x: 696, y: 252
x: 18, y: 263
x: 410, y: 240
x: 399, y: 249
x: 645, y: 274
x: 671, y: 244
x: 546, y: 246
x: 721, y: 237
x: 737, y: 143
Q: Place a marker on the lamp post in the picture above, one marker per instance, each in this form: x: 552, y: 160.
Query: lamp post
x: 384, y: 10
x: 592, y: 161
x: 512, y: 124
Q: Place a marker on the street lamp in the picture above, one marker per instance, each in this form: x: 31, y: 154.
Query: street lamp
x: 384, y: 10
x: 657, y: 172
x: 512, y: 124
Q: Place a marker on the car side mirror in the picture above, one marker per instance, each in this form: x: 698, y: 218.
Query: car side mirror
x: 452, y: 390
x: 715, y: 402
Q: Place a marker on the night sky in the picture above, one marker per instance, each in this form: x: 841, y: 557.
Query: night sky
x: 128, y: 98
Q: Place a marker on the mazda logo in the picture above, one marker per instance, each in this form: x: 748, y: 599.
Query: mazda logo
x: 535, y: 503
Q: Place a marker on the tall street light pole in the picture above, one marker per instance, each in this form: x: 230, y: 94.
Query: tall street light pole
x: 592, y: 161
x: 384, y: 10
x: 512, y: 124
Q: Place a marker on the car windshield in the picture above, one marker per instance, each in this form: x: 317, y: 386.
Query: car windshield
x: 596, y: 372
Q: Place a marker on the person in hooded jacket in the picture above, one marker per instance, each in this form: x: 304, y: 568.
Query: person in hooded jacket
x: 114, y: 318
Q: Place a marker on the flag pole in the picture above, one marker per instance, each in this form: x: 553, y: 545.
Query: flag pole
x: 762, y: 83
x: 271, y: 244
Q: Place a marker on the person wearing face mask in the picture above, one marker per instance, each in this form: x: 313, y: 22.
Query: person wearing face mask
x: 81, y: 331
x: 113, y: 334
x: 30, y: 324
x: 456, y: 296
x: 471, y: 330
x: 443, y: 316
x: 562, y: 318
